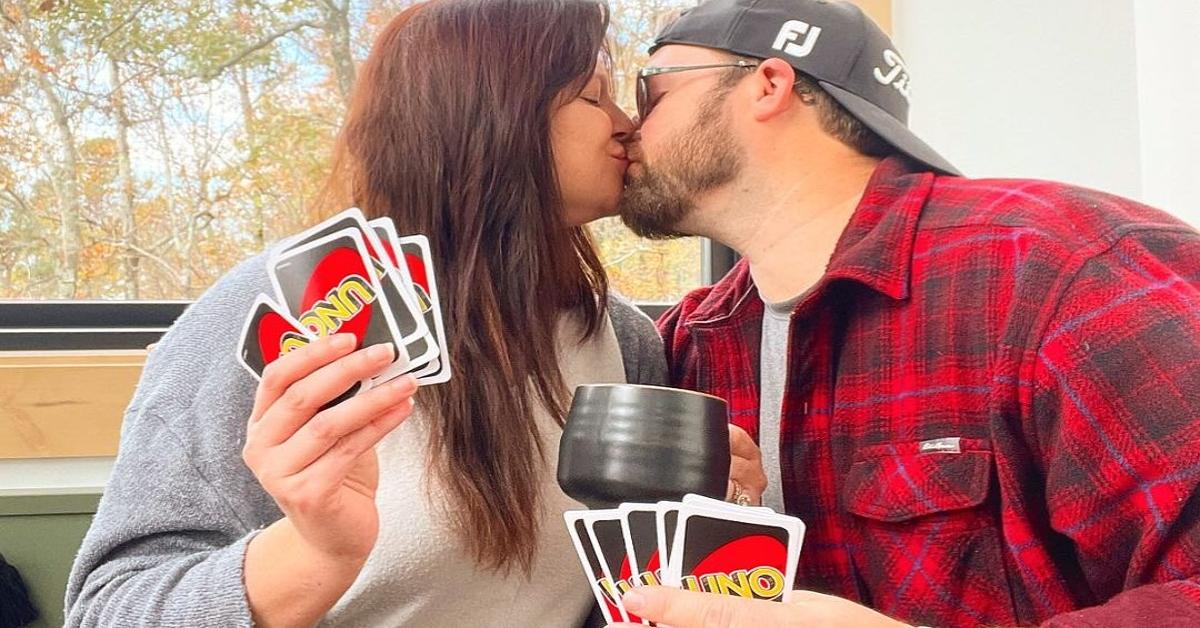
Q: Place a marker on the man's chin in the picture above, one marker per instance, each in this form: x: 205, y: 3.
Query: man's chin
x: 649, y: 227
x: 648, y: 207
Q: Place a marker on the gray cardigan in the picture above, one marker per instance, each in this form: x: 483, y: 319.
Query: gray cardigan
x: 166, y: 546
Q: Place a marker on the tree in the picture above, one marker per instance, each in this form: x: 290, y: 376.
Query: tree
x: 147, y: 146
x: 21, y: 40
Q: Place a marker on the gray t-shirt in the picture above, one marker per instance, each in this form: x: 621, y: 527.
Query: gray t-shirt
x: 773, y: 363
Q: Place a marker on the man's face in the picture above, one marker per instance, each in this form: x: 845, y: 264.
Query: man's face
x: 688, y: 147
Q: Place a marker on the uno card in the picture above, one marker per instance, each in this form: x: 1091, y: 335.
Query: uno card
x: 405, y: 312
x: 736, y: 551
x: 419, y: 262
x: 425, y: 351
x: 605, y: 529
x: 666, y: 516
x: 704, y: 500
x: 267, y: 334
x: 640, y: 531
x: 330, y: 285
x: 411, y: 255
x: 600, y: 581
x: 639, y: 526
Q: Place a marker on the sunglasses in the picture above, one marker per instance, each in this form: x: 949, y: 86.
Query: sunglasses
x: 644, y: 106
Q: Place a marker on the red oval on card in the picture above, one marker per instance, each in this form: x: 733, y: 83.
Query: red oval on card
x: 416, y: 269
x: 745, y: 553
x: 271, y: 329
x: 327, y: 278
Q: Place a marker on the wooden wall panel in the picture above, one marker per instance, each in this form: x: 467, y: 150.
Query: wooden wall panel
x: 64, y: 403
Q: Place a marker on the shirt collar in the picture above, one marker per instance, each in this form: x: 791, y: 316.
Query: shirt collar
x: 876, y: 247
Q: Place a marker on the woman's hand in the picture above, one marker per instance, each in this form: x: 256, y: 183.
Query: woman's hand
x: 319, y: 464
x: 746, y: 475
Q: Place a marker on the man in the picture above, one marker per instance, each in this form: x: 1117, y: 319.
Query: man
x: 982, y: 396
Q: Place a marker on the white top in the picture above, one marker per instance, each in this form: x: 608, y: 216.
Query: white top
x: 420, y: 573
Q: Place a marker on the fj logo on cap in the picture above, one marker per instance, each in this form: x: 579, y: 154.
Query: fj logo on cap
x: 792, y: 30
x: 896, y: 74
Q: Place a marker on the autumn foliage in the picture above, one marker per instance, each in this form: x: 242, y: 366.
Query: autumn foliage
x: 148, y: 146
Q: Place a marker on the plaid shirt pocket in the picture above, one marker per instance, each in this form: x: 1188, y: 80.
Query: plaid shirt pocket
x: 903, y: 482
x: 923, y: 530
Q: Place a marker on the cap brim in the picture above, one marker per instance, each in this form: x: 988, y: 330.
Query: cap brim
x: 890, y: 129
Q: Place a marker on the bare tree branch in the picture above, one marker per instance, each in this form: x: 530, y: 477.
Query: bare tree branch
x: 18, y: 201
x: 116, y: 29
x: 255, y: 47
x: 172, y: 272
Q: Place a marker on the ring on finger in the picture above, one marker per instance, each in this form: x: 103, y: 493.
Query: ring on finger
x: 740, y: 497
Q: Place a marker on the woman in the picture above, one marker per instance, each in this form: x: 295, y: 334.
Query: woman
x: 489, y: 126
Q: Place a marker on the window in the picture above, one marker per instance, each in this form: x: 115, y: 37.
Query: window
x: 147, y: 147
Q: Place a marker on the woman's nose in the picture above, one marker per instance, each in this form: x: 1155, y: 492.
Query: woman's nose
x: 623, y: 127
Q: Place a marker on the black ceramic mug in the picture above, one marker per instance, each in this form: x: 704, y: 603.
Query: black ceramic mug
x: 632, y: 443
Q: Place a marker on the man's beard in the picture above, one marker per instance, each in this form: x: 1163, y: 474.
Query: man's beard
x: 702, y: 158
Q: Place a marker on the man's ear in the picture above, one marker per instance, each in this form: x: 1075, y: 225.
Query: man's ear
x: 773, y: 82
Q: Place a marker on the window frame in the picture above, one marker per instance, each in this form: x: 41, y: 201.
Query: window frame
x: 131, y: 325
x: 84, y: 325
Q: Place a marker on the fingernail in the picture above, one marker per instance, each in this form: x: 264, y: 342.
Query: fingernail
x: 633, y: 600
x: 404, y: 381
x: 379, y: 352
x: 343, y: 341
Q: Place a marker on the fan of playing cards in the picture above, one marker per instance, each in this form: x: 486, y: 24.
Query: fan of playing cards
x: 699, y: 544
x: 351, y: 276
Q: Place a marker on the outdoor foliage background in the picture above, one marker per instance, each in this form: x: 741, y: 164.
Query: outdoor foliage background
x: 148, y: 146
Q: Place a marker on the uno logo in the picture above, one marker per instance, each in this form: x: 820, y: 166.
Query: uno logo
x: 612, y: 590
x: 290, y: 342
x: 340, y: 306
x: 277, y: 336
x: 763, y: 583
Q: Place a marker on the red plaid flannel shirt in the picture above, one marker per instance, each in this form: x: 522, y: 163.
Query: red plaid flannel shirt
x: 992, y: 412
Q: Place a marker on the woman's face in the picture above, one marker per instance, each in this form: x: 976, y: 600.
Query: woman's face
x: 586, y: 136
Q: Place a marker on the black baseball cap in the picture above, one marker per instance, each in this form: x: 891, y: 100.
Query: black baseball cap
x: 832, y: 41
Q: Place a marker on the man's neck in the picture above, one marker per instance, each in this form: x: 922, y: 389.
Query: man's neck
x: 786, y: 220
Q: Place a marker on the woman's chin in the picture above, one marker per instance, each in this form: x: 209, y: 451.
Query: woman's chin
x: 610, y: 210
x: 578, y: 217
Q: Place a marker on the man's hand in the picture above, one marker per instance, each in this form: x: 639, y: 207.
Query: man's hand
x: 745, y: 467
x: 687, y: 609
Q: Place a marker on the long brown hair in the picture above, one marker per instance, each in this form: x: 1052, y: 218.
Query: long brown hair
x: 448, y: 133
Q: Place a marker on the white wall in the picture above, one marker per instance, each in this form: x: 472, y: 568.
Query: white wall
x: 1168, y: 45
x: 1091, y: 92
